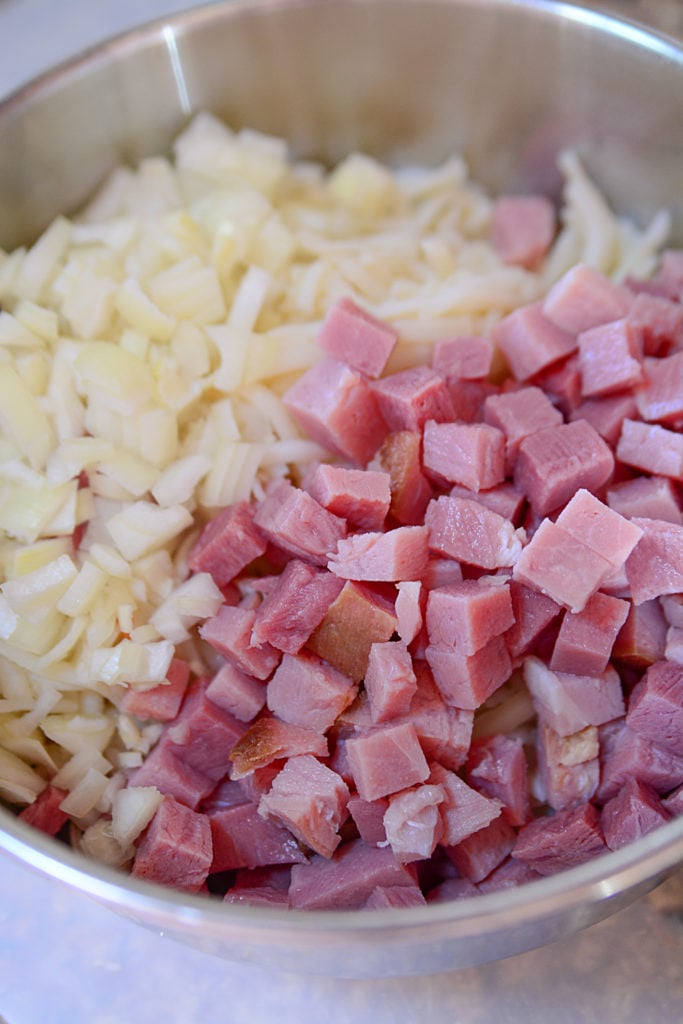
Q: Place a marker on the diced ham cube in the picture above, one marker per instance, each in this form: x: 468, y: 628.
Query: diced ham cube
x: 630, y: 753
x: 400, y: 456
x: 398, y: 554
x: 229, y: 633
x: 335, y: 405
x: 176, y: 848
x: 610, y: 357
x: 585, y: 298
x: 408, y: 609
x: 660, y: 397
x: 510, y: 875
x: 441, y: 572
x: 518, y: 414
x: 673, y: 650
x: 352, y: 335
x: 568, y: 766
x: 268, y: 740
x: 655, y: 566
x: 469, y: 532
x: 646, y: 497
x: 522, y: 229
x: 465, y: 358
x: 383, y: 897
x: 606, y: 414
x: 533, y: 613
x: 566, y: 839
x: 561, y: 566
x: 468, y: 397
x: 241, y: 838
x: 635, y: 811
x: 412, y: 823
x: 530, y: 341
x: 672, y: 609
x: 45, y: 812
x: 227, y: 544
x: 467, y: 615
x: 295, y: 606
x: 390, y: 681
x: 268, y: 887
x: 655, y: 708
x: 466, y: 681
x: 477, y: 855
x: 165, y: 768
x: 295, y: 522
x: 203, y: 734
x: 310, y: 800
x: 360, y: 496
x: 409, y: 398
x: 161, y: 702
x: 356, y: 620
x: 552, y: 464
x: 471, y: 454
x: 234, y: 691
x: 651, y: 448
x: 585, y: 640
x: 444, y: 731
x: 562, y: 384
x: 368, y: 816
x: 348, y: 878
x: 642, y: 638
x: 452, y: 889
x: 386, y: 760
x: 600, y: 528
x: 464, y: 810
x: 571, y: 702
x: 497, y: 767
x: 659, y: 319
x: 504, y: 499
x: 306, y: 691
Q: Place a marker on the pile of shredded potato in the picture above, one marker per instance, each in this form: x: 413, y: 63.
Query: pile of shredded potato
x: 143, y: 349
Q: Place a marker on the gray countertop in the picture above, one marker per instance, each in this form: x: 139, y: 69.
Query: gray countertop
x: 64, y: 958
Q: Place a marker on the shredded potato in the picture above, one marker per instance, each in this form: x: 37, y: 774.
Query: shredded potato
x: 144, y: 347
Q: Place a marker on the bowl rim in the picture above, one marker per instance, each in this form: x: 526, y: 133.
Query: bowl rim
x: 643, y: 862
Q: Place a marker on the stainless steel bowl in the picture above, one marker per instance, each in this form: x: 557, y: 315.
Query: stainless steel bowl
x: 508, y: 83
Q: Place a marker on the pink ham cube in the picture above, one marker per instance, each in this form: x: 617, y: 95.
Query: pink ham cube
x: 295, y: 607
x: 659, y: 319
x: 346, y: 880
x: 390, y: 681
x: 606, y: 414
x: 45, y: 812
x: 533, y: 614
x: 655, y: 566
x: 385, y: 896
x: 655, y: 708
x: 610, y: 357
x: 176, y: 849
x: 585, y: 640
x: 530, y: 341
x: 229, y: 632
x: 651, y: 448
x: 464, y: 810
x: 522, y: 229
x: 409, y: 398
x: 368, y: 816
x: 552, y: 464
x: 584, y: 298
x: 360, y: 496
x: 308, y: 692
x: 241, y: 695
x: 401, y: 457
x: 642, y: 638
x: 497, y: 767
x: 386, y: 760
x: 268, y: 740
x: 631, y: 754
x: 471, y: 454
x: 518, y: 414
x: 469, y: 532
x: 570, y: 702
x: 241, y: 838
x: 566, y: 839
x: 464, y: 358
x: 398, y: 554
x: 599, y: 527
x: 356, y: 619
x: 568, y: 767
x: 467, y: 615
x: 646, y: 497
x: 310, y: 800
x: 352, y: 335
x: 480, y: 853
x: 467, y: 680
x: 634, y: 811
x: 335, y: 405
x: 294, y: 521
x: 161, y: 702
x: 660, y: 398
x: 227, y: 544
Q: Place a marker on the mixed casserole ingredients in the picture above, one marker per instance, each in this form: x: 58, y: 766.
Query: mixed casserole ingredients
x: 342, y: 544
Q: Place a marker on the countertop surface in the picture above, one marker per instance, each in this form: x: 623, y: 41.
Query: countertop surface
x: 65, y: 958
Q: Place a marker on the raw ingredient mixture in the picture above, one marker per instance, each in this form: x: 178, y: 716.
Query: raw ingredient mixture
x: 341, y: 524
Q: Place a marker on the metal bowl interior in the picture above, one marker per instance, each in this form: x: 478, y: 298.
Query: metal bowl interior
x: 507, y: 83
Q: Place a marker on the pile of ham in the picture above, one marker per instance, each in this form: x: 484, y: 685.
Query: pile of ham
x: 341, y: 542
x: 449, y: 658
